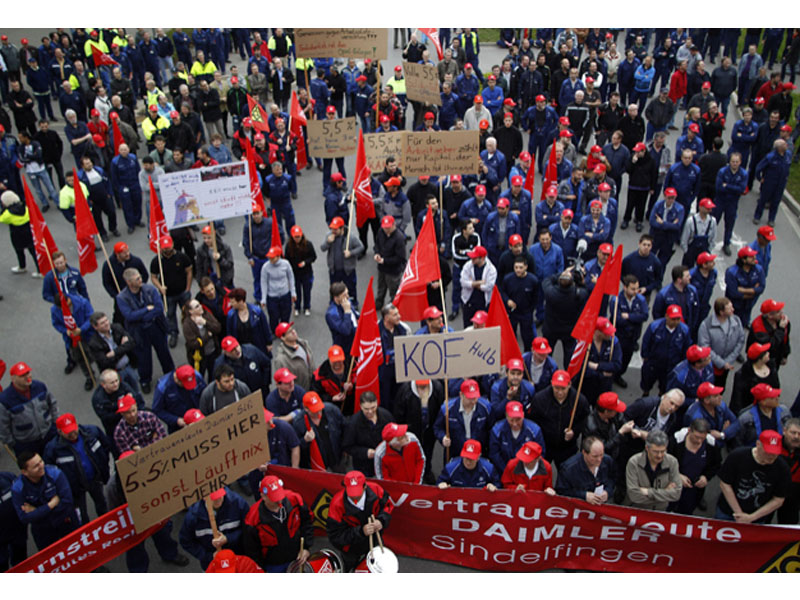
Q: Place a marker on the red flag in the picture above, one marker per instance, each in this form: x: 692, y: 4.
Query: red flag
x: 614, y: 269
x: 256, y: 196
x: 158, y: 224
x: 583, y: 332
x: 422, y: 268
x: 69, y: 320
x: 367, y: 349
x: 551, y: 174
x: 42, y: 238
x: 257, y: 115
x: 529, y: 178
x: 365, y: 208
x: 317, y: 464
x: 297, y: 119
x: 118, y: 139
x: 100, y: 58
x: 85, y: 229
x: 433, y: 34
x: 498, y: 317
x: 275, y: 240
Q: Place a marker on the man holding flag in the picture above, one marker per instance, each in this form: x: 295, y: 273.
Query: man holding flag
x: 320, y: 431
x: 421, y: 269
x: 367, y: 351
x: 70, y: 317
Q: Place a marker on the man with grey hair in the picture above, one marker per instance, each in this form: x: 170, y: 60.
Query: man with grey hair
x: 773, y: 173
x: 78, y: 136
x: 390, y: 326
x: 652, y: 476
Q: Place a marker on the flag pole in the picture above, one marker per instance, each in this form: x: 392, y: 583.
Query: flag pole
x: 211, y: 518
x: 350, y: 219
x: 580, y: 385
x: 446, y: 379
x: 441, y: 217
x: 161, y: 269
x: 108, y: 262
x: 377, y: 94
x: 308, y: 85
x: 613, y: 337
x: 214, y: 247
x: 250, y: 230
x: 88, y: 364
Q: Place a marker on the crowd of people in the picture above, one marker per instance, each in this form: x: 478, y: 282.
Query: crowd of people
x: 596, y: 121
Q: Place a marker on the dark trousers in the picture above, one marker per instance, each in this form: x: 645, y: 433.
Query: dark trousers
x: 790, y: 511
x: 131, y: 202
x: 44, y: 535
x: 527, y: 328
x: 95, y: 490
x: 566, y: 339
x: 284, y: 212
x: 137, y: 559
x: 651, y: 201
x: 470, y: 308
x: 13, y: 548
x: 256, y: 269
x: 279, y: 309
x: 302, y: 291
x: 663, y: 246
x: 387, y: 283
x: 147, y: 340
x: 456, y: 304
x: 106, y: 206
x: 628, y: 347
x: 59, y: 169
x: 44, y: 106
x: 363, y: 232
x: 771, y: 195
x: 637, y: 200
x: 654, y: 371
x: 327, y: 165
x: 728, y: 209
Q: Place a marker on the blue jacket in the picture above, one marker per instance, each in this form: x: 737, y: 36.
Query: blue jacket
x: 498, y: 398
x: 664, y: 348
x: 479, y: 426
x: 496, y: 162
x: 629, y: 328
x: 134, y: 309
x: 743, y: 136
x: 575, y: 478
x: 81, y: 311
x: 149, y: 54
x: 81, y: 469
x: 685, y: 180
x: 457, y: 475
x: 321, y: 95
x: 705, y: 289
x: 350, y: 76
x: 181, y: 41
x: 136, y: 59
x: 567, y: 92
x: 730, y: 186
x: 764, y: 256
x: 106, y: 182
x: 503, y: 446
x: 606, y: 359
x: 601, y: 231
x: 493, y: 98
x: 736, y: 277
x: 171, y: 401
x: 38, y: 80
x: 643, y: 78
x: 721, y: 414
x: 618, y: 159
x: 568, y: 242
x: 626, y: 71
x: 773, y: 172
x: 547, y: 216
x: 74, y: 284
x: 196, y: 534
x: 277, y: 189
x: 200, y: 39
x: 262, y: 237
x: 490, y: 232
x: 282, y: 440
x: 54, y: 483
x: 522, y: 290
x: 688, y: 301
x: 688, y: 379
x: 253, y: 368
x: 341, y: 325
x: 125, y: 174
x: 672, y: 221
x: 522, y: 203
x: 548, y: 369
x: 261, y: 62
x: 361, y: 99
x: 448, y: 111
x: 467, y: 88
x: 259, y: 326
x: 470, y: 210
x: 647, y: 269
x: 541, y: 128
x: 683, y: 143
x: 547, y: 263
x: 336, y: 203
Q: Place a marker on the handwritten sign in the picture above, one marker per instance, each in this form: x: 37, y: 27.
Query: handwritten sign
x: 422, y: 83
x: 461, y: 354
x: 344, y: 42
x: 177, y: 471
x: 380, y: 146
x: 441, y: 153
x: 332, y: 138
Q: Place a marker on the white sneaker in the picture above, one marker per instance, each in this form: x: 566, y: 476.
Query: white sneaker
x: 308, y: 313
x: 296, y: 312
x: 18, y: 270
x: 37, y: 275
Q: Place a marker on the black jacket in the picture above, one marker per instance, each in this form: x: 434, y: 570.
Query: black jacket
x: 575, y: 478
x: 360, y: 435
x: 295, y: 255
x: 563, y: 306
x: 392, y: 249
x: 98, y: 347
x: 52, y: 146
x: 643, y: 172
x: 105, y: 405
x: 553, y: 418
x: 408, y: 408
x: 134, y: 262
x: 63, y: 454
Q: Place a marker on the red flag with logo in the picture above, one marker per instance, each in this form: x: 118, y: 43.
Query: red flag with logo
x: 583, y: 332
x: 433, y: 34
x: 365, y: 208
x: 422, y: 268
x: 275, y: 239
x: 257, y: 115
x: 551, y: 173
x: 42, y: 238
x: 85, y: 229
x: 69, y: 320
x: 158, y: 224
x: 367, y: 349
x: 498, y: 317
x: 256, y: 197
x: 529, y: 178
x: 614, y: 268
x: 317, y: 464
x: 298, y: 120
x: 101, y: 59
x: 117, y: 134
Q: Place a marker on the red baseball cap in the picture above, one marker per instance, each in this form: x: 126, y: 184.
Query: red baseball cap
x: 786, y: 127
x: 431, y: 312
x: 398, y: 68
x: 229, y: 343
x: 639, y: 147
x: 514, y: 410
x: 275, y: 251
x: 120, y: 247
x: 565, y: 133
x: 478, y: 99
x: 604, y: 326
x: 284, y: 375
x: 468, y: 65
x: 296, y: 230
x: 480, y: 189
x: 429, y: 116
x: 600, y: 168
x: 515, y: 239
x: 670, y: 191
x: 597, y: 203
x: 771, y: 441
x: 193, y: 415
x: 94, y: 112
x: 567, y: 212
x: 610, y: 401
x: 153, y: 108
x: 217, y: 494
x: 604, y: 187
x: 707, y: 203
x: 551, y: 191
x: 595, y: 149
x: 590, y: 80
x: 706, y: 85
x: 234, y: 80
x: 19, y: 369
x: 540, y: 345
x: 606, y: 248
x: 354, y: 483
x: 694, y: 128
x: 515, y: 364
x: 335, y: 353
x: 471, y: 449
x: 336, y: 223
x: 563, y: 121
x: 125, y: 403
x: 484, y: 124
x: 767, y: 232
x: 393, y: 430
x: 529, y: 452
x: 455, y: 178
x: 206, y: 230
x: 759, y: 100
x: 174, y: 114
x: 492, y: 78
x: 746, y: 251
x: 560, y: 379
x: 480, y: 317
x: 706, y: 389
x: 361, y: 78
x: 186, y: 375
x: 771, y: 305
x: 337, y: 177
x: 259, y: 136
x: 330, y: 109
x: 387, y: 221
x: 524, y: 156
x: 282, y: 328
x: 313, y: 402
x: 705, y: 257
x: 66, y: 423
x: 516, y: 180
x: 755, y: 350
x: 272, y: 487
x: 762, y: 391
x: 166, y: 242
x: 393, y: 182
x: 247, y: 122
x: 384, y: 119
x: 541, y: 98
x: 503, y: 203
x: 695, y: 353
x: 469, y: 387
x: 509, y: 102
x: 674, y: 312
x: 478, y: 251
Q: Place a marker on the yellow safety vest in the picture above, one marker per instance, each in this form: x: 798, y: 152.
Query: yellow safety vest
x: 398, y: 85
x: 11, y: 219
x: 149, y: 128
x: 66, y: 197
x: 304, y: 64
x: 152, y: 97
x: 206, y: 69
x: 87, y: 47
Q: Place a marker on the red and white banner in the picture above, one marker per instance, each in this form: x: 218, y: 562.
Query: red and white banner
x: 89, y: 547
x: 512, y: 531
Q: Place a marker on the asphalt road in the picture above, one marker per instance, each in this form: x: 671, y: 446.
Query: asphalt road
x: 26, y: 333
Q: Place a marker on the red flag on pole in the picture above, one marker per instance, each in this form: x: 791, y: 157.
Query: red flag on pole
x: 551, y: 173
x: 298, y: 120
x: 275, y: 240
x: 433, y: 34
x: 158, y: 224
x: 100, y: 58
x: 69, y: 320
x: 367, y: 349
x: 614, y: 269
x: 365, y: 208
x: 529, y: 178
x: 257, y: 115
x: 317, y: 464
x: 42, y: 238
x: 256, y: 197
x: 498, y: 317
x: 118, y: 139
x: 85, y: 229
x: 583, y: 331
x: 422, y: 268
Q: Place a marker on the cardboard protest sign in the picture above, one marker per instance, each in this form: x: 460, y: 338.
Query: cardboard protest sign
x: 439, y: 355
x: 342, y: 42
x: 332, y: 138
x: 441, y: 153
x: 422, y: 83
x: 380, y: 146
x: 177, y: 471
x: 206, y: 194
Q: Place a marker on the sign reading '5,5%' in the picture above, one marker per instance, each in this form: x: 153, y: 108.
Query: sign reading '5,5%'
x: 332, y: 138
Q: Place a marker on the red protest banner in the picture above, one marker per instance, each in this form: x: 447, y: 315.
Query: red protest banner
x: 89, y: 547
x: 510, y: 531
